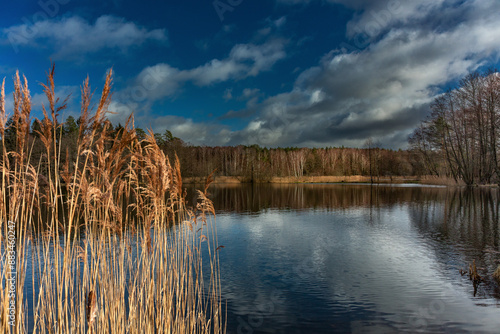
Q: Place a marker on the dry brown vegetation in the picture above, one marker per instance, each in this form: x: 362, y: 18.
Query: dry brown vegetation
x: 112, y: 245
x: 496, y: 274
x: 441, y: 180
x: 424, y: 179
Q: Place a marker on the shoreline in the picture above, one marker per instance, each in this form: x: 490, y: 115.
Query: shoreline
x: 425, y: 180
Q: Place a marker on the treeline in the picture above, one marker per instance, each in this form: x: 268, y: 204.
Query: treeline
x: 249, y: 163
x: 259, y: 163
x: 459, y: 139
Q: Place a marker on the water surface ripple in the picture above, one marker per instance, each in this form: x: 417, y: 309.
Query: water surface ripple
x: 355, y: 258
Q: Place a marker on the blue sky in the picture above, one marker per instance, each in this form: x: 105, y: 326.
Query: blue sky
x: 309, y: 73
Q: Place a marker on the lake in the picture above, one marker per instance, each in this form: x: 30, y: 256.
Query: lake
x: 335, y: 258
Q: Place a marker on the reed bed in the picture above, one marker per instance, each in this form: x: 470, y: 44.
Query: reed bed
x: 111, y: 243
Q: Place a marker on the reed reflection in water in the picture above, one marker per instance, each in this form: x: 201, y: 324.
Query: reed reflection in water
x: 354, y: 258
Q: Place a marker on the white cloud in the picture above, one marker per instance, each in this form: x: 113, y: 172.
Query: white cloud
x: 316, y: 96
x: 383, y: 91
x: 161, y: 80
x: 214, y: 71
x: 157, y: 82
x: 244, y: 60
x: 190, y: 131
x: 263, y: 56
x: 74, y: 36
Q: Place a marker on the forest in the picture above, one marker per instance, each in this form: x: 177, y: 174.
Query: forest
x: 458, y: 140
x: 250, y: 163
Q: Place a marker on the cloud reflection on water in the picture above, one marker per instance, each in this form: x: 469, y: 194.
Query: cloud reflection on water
x: 335, y: 258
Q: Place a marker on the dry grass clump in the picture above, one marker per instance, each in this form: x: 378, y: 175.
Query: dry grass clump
x: 112, y: 246
x: 440, y: 181
x: 474, y: 276
x: 496, y: 274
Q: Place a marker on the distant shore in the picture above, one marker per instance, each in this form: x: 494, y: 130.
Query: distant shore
x: 429, y: 180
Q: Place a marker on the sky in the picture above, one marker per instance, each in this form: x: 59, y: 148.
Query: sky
x: 289, y: 73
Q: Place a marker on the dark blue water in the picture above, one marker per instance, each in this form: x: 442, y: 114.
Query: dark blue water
x: 355, y: 258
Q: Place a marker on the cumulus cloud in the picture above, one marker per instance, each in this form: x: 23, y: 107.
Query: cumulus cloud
x: 384, y: 90
x: 195, y: 133
x: 74, y: 36
x: 262, y: 57
x: 381, y: 89
x: 214, y: 71
x: 162, y: 80
x: 244, y: 60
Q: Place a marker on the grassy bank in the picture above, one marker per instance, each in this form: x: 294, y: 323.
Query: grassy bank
x: 112, y: 246
x: 430, y: 180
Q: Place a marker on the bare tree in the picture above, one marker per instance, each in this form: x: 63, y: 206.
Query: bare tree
x: 463, y: 128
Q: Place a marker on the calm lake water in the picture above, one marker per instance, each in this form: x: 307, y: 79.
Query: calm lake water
x: 339, y: 258
x: 330, y: 258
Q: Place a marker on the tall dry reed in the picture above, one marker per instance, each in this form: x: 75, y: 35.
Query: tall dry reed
x: 111, y: 244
